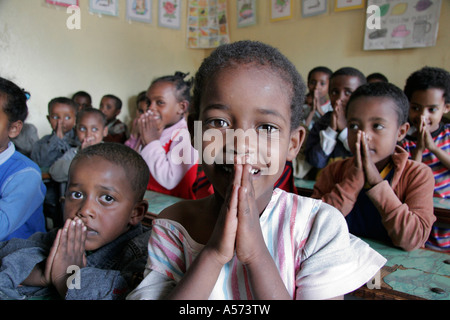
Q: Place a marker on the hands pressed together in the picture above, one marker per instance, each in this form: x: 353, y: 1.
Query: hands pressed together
x: 68, y: 250
x: 363, y: 160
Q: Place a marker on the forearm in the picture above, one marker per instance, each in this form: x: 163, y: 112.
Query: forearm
x: 265, y: 280
x: 443, y: 156
x: 200, y: 278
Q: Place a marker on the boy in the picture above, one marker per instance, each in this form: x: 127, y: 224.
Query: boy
x: 91, y: 129
x: 111, y: 106
x: 249, y: 240
x: 83, y: 100
x: 327, y: 141
x: 428, y: 141
x: 102, y: 238
x: 61, y: 116
x: 381, y: 193
x: 21, y: 189
x: 317, y: 101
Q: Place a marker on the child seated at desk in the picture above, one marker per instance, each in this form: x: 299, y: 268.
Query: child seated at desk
x: 21, y: 189
x: 61, y: 116
x: 142, y: 106
x: 111, y: 106
x: 382, y: 194
x: 428, y: 140
x: 91, y: 129
x: 327, y: 140
x: 102, y: 236
x: 247, y: 240
x: 164, y: 132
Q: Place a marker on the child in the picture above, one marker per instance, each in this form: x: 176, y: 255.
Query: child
x: 327, y: 140
x: 111, y: 106
x: 61, y: 115
x: 21, y: 189
x: 318, y: 103
x: 381, y: 193
x: 376, y: 77
x: 83, y: 100
x: 428, y: 141
x: 91, y: 129
x: 247, y: 240
x: 163, y: 131
x: 142, y: 106
x: 102, y: 238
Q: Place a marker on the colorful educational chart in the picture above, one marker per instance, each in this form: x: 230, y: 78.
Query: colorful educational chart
x: 400, y: 24
x: 207, y: 24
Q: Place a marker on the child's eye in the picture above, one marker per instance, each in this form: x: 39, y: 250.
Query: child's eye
x: 76, y: 195
x: 348, y: 93
x: 378, y: 126
x: 94, y: 129
x: 268, y: 127
x: 107, y: 198
x: 217, y: 123
x: 433, y: 109
x: 82, y: 129
x: 55, y: 117
x: 353, y: 126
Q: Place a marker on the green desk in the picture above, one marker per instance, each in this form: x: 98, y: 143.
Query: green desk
x: 416, y: 275
x: 157, y: 202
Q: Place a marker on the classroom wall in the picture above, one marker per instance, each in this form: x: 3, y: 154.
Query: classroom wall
x: 111, y: 55
x: 108, y: 54
x: 336, y: 39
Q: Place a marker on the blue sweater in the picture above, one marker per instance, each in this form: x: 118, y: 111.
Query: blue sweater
x: 22, y: 195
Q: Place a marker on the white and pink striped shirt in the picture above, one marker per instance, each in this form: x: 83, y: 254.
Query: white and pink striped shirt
x: 309, y: 241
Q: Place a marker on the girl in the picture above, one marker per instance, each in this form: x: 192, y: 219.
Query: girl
x: 247, y: 240
x: 163, y: 130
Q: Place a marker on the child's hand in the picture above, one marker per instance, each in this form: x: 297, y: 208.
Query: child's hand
x: 67, y: 250
x: 364, y: 160
x: 249, y: 239
x: 89, y: 141
x: 150, y: 127
x: 338, y: 121
x: 424, y: 138
x: 59, y: 129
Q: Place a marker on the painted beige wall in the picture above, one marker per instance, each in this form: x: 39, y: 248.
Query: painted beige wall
x: 110, y: 55
x: 336, y: 40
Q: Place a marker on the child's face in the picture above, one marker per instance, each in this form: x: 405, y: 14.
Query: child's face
x: 82, y: 102
x: 429, y: 104
x: 250, y: 99
x: 318, y: 81
x: 100, y: 194
x: 91, y: 128
x: 376, y: 116
x: 341, y: 88
x: 7, y: 130
x: 108, y: 107
x: 62, y: 115
x: 164, y: 103
x: 142, y: 108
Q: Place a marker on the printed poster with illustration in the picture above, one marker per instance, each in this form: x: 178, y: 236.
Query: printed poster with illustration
x: 207, y: 24
x: 404, y: 24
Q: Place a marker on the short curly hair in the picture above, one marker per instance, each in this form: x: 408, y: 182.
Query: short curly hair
x: 384, y: 90
x: 428, y: 78
x: 131, y: 162
x: 15, y: 105
x: 251, y: 53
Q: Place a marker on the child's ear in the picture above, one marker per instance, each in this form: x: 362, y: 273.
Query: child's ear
x: 447, y: 108
x: 184, y: 105
x: 402, y: 131
x: 139, y: 211
x: 14, y: 129
x: 297, y: 137
x: 105, y: 131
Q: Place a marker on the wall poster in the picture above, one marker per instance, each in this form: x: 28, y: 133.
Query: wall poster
x: 400, y: 24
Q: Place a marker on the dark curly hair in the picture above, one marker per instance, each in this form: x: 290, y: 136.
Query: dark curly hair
x: 15, y: 104
x: 131, y: 162
x: 384, y: 90
x: 251, y: 53
x: 182, y: 87
x: 350, y: 71
x: 428, y: 78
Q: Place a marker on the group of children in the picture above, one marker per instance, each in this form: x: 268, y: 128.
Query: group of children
x: 245, y: 238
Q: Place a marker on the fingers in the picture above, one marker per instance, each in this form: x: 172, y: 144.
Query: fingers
x: 358, y: 158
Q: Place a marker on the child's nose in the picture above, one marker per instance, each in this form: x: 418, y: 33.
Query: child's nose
x: 86, y: 210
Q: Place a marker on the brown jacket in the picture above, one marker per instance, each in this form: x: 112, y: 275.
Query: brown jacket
x: 405, y: 206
